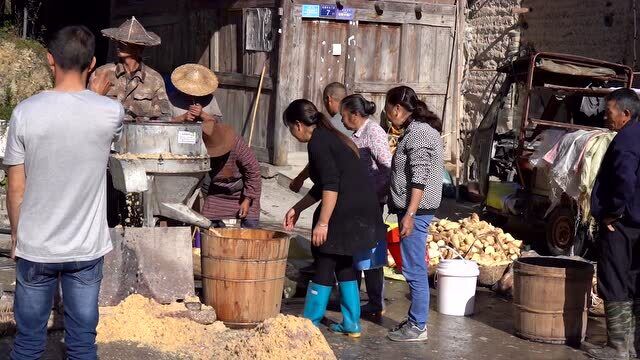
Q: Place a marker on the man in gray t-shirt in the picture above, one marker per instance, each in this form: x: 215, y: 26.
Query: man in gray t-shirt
x: 57, y: 152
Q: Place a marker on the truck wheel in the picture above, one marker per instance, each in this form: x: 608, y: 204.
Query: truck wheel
x: 560, y: 233
x: 495, y: 219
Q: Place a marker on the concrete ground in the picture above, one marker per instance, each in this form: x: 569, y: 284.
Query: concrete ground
x: 485, y: 335
x: 488, y: 334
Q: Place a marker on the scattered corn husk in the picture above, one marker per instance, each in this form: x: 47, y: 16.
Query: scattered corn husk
x: 482, y: 242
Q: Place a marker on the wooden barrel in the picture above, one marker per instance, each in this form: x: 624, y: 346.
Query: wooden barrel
x: 550, y: 297
x: 243, y: 274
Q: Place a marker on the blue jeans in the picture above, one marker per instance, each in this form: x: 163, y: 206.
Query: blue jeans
x: 36, y: 284
x: 414, y: 268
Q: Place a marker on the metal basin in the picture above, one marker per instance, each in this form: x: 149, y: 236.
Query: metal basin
x: 166, y: 162
x: 162, y: 138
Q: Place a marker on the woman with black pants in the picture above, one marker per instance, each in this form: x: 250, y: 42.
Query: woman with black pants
x: 348, y: 219
x: 375, y: 155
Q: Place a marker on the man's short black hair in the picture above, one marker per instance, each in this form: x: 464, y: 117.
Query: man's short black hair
x: 336, y: 90
x: 72, y: 47
x: 626, y: 99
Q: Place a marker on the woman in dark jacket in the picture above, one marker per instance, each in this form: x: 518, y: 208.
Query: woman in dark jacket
x: 348, y: 219
x: 416, y: 191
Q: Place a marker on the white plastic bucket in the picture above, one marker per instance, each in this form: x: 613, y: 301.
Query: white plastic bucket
x: 456, y: 282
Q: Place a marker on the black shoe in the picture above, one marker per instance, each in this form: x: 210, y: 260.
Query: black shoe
x: 408, y: 332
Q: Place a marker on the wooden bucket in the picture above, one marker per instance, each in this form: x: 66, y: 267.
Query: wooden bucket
x: 243, y: 273
x: 550, y: 299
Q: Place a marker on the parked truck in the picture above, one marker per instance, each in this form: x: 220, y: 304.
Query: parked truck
x: 542, y: 91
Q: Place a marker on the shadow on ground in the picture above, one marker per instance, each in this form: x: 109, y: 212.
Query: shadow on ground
x: 485, y: 335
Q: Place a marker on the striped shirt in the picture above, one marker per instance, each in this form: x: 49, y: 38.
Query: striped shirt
x: 232, y: 178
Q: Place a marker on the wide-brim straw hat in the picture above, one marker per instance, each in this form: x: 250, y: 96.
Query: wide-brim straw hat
x: 132, y: 32
x: 194, y: 80
x: 218, y: 138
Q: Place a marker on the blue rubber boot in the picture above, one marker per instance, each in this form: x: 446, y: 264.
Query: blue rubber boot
x: 350, y: 308
x: 315, y: 303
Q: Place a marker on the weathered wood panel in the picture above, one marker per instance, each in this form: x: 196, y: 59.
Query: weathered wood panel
x: 239, y: 75
x: 126, y: 8
x: 439, y: 7
x: 442, y: 51
x: 242, y: 80
x: 380, y: 55
x: 417, y: 56
x: 320, y: 66
x: 236, y: 105
x: 230, y: 50
x: 377, y: 55
x: 236, y: 4
x: 290, y: 78
x: 213, y: 37
x: 383, y: 87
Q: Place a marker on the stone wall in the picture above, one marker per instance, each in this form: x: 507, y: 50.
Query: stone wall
x: 490, y: 29
x: 601, y: 29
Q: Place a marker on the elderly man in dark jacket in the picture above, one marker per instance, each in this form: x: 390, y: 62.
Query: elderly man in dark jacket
x: 615, y: 204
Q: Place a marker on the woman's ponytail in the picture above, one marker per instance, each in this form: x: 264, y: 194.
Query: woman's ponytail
x: 408, y: 99
x: 357, y: 104
x: 423, y: 114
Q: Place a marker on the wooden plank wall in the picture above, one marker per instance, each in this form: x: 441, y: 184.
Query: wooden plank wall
x: 321, y: 67
x: 425, y: 67
x: 212, y: 35
x: 378, y: 53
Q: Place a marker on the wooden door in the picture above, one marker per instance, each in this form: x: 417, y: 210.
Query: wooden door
x: 401, y: 46
x: 419, y: 56
x: 320, y: 66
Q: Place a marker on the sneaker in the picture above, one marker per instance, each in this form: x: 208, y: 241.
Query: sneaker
x: 407, y: 332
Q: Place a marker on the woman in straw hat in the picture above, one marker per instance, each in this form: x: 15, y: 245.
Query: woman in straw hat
x: 194, y: 98
x: 138, y: 87
x: 233, y: 186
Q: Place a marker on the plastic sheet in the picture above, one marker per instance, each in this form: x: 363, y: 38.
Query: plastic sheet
x: 547, y: 140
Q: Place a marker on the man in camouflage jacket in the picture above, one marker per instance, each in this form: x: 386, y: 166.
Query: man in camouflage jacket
x: 138, y: 87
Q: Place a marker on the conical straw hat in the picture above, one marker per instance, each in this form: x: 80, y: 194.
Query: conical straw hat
x: 194, y: 80
x: 132, y: 32
x: 218, y: 138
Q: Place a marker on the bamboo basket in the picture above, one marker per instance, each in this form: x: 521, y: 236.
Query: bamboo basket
x: 489, y: 275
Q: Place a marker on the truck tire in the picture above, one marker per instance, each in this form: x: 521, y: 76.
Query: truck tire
x: 494, y: 219
x: 560, y: 233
